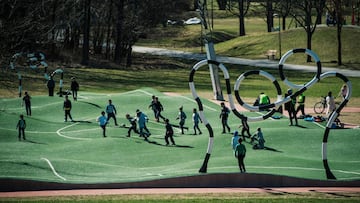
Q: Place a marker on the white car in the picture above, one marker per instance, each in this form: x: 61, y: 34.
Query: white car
x: 192, y: 21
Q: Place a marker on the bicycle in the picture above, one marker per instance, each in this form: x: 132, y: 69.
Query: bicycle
x: 320, y: 107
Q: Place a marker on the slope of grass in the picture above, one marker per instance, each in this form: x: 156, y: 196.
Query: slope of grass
x: 79, y: 154
x: 257, y: 40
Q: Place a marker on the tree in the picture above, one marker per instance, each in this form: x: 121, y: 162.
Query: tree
x: 303, y: 11
x: 338, y: 4
x: 222, y: 4
x: 239, y: 8
x: 86, y: 45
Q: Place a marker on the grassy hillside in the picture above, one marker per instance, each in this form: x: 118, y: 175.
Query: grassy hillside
x: 78, y: 153
x: 257, y: 40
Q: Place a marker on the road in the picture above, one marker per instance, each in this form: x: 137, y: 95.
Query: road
x: 241, y: 61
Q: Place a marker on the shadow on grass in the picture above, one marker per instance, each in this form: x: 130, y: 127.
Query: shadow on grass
x: 74, y: 121
x: 33, y: 142
x: 164, y: 145
x: 96, y: 105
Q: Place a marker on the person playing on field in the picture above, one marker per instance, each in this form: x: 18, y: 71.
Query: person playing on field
x: 21, y: 125
x: 159, y: 107
x: 240, y: 152
x: 245, y: 128
x: 111, y: 111
x: 181, y: 116
x: 67, y: 109
x: 224, y: 115
x: 103, y: 121
x: 142, y: 119
x: 152, y: 105
x: 260, y: 138
x: 235, y: 140
x: 26, y: 100
x: 169, y: 133
x: 74, y: 88
x: 196, y: 118
x: 133, y: 125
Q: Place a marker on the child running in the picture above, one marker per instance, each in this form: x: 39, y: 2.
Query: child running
x: 132, y: 122
x: 102, y: 122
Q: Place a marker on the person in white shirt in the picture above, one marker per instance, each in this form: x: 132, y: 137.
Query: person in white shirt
x: 330, y: 102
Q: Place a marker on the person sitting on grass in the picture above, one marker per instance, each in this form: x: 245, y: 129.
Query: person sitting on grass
x: 260, y: 138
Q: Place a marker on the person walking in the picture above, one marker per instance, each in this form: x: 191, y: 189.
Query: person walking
x: 196, y: 119
x: 169, y: 133
x: 142, y: 119
x: 111, y: 111
x: 245, y: 128
x: 102, y: 122
x: 301, y: 105
x: 235, y: 140
x: 133, y: 125
x: 330, y: 101
x: 51, y: 86
x: 21, y: 125
x: 290, y: 107
x: 224, y: 115
x: 182, y: 117
x: 67, y: 108
x: 240, y: 152
x: 27, y: 102
x: 74, y: 88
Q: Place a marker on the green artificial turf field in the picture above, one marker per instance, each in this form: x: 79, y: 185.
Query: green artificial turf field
x: 76, y: 152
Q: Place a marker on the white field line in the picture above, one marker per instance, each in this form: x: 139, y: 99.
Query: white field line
x: 53, y: 169
x: 74, y: 138
x: 318, y: 125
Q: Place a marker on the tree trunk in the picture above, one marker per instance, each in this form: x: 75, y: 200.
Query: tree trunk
x: 241, y: 18
x: 269, y: 16
x: 119, y: 29
x: 222, y: 4
x: 86, y: 46
x: 309, y: 38
x: 108, y: 32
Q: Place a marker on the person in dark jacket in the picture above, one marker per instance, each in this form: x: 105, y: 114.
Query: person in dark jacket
x: 51, y: 86
x: 67, y: 108
x: 74, y: 88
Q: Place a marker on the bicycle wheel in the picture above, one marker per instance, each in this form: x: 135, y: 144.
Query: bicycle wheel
x: 319, y: 107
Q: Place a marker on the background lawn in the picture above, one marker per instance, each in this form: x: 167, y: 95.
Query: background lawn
x: 79, y: 154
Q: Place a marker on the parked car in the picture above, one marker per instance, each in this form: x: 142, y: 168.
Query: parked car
x: 192, y: 21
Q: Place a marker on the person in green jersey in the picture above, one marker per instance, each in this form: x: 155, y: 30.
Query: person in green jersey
x: 240, y: 152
